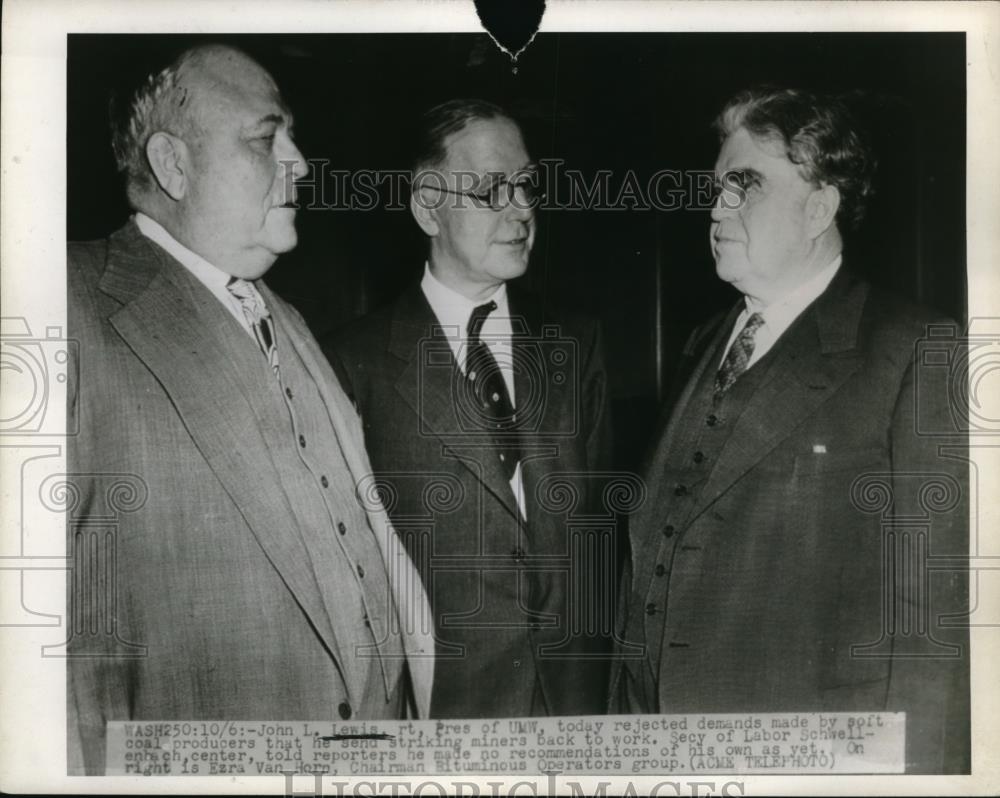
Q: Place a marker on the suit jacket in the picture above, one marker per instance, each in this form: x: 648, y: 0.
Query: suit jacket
x: 816, y: 563
x: 215, y: 608
x: 507, y: 598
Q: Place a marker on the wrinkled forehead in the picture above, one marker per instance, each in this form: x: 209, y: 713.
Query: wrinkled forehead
x: 743, y: 150
x: 227, y: 84
x: 486, y: 146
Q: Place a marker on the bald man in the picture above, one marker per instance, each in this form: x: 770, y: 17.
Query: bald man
x: 243, y: 578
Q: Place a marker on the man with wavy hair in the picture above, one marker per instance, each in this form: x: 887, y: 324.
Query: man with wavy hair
x: 801, y: 549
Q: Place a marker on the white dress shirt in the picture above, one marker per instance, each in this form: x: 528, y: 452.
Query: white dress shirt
x: 453, y: 311
x: 213, y: 278
x: 779, y: 315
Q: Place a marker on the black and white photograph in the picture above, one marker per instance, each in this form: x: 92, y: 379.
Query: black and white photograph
x: 469, y: 404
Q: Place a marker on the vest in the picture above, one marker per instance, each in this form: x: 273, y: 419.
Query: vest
x: 698, y: 436
x: 344, y: 555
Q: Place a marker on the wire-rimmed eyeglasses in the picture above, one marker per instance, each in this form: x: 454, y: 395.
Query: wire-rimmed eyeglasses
x: 500, y: 194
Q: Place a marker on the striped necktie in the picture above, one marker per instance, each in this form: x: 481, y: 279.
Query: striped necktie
x: 492, y: 400
x: 735, y: 362
x: 258, y: 317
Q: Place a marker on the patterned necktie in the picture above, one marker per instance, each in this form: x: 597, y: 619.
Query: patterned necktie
x: 258, y: 317
x: 738, y: 356
x: 489, y: 392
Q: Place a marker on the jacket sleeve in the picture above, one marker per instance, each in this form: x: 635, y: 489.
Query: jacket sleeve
x: 97, y: 677
x: 927, y: 568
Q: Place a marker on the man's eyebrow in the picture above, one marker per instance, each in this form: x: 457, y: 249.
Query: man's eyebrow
x: 493, y: 176
x: 745, y: 171
x: 274, y: 119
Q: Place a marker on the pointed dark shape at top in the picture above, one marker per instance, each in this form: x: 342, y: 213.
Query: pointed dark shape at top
x: 512, y: 25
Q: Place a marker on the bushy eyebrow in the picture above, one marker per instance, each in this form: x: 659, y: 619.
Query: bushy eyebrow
x: 275, y: 119
x: 745, y: 173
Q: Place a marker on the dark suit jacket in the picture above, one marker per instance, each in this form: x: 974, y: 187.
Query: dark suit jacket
x: 768, y: 587
x: 216, y: 610
x: 501, y: 594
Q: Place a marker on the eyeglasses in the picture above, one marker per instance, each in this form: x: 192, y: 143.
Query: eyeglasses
x: 500, y: 194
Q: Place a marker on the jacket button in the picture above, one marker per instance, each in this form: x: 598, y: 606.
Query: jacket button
x: 651, y: 608
x: 712, y: 420
x: 680, y: 490
x: 324, y: 481
x: 361, y: 572
x: 668, y: 531
x: 288, y: 392
x: 518, y: 554
x: 661, y: 569
x: 698, y: 457
x: 341, y: 528
x: 302, y: 441
x: 345, y: 710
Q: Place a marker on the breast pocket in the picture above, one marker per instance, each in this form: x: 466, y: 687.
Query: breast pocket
x: 822, y: 490
x: 824, y: 459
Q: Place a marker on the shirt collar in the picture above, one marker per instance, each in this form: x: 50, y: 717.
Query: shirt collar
x: 212, y: 276
x: 781, y: 313
x: 452, y: 309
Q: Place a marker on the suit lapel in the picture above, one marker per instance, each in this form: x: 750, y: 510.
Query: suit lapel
x: 699, y: 359
x: 703, y: 358
x: 540, y: 402
x: 179, y: 331
x: 428, y: 382
x: 407, y: 589
x: 807, y: 366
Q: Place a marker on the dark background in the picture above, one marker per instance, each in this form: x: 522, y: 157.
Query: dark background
x: 618, y: 102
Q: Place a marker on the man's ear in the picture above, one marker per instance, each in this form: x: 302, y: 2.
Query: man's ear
x: 821, y: 209
x: 168, y: 160
x: 424, y: 212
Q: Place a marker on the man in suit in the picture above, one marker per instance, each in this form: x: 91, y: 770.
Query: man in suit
x: 484, y: 416
x: 244, y: 579
x: 801, y: 547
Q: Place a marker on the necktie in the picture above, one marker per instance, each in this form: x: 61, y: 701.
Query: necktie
x: 258, y: 317
x: 738, y: 356
x: 489, y: 392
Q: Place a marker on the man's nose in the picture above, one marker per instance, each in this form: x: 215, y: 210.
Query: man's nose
x: 292, y: 160
x: 727, y: 201
x: 718, y: 212
x: 520, y: 206
x: 299, y: 167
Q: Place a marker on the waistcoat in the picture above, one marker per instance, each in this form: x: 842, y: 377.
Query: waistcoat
x: 344, y: 555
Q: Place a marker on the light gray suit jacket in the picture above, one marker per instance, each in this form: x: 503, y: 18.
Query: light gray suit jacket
x: 202, y: 601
